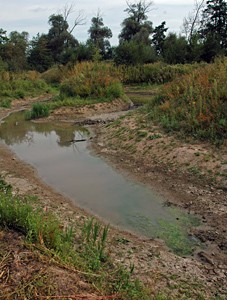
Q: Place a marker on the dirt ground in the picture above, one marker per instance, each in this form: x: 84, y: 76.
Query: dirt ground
x: 204, y: 273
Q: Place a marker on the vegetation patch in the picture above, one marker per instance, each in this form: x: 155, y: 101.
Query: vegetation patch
x: 39, y: 110
x: 21, y: 85
x: 84, y: 250
x: 91, y: 80
x: 195, y: 104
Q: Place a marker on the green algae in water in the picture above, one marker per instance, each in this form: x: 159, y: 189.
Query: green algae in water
x: 174, y: 231
x: 176, y: 235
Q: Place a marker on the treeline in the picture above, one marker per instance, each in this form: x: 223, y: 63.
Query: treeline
x: 204, y: 38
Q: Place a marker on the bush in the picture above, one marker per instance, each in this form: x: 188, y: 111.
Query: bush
x: 39, y: 110
x: 157, y: 73
x: 92, y: 80
x: 195, y: 104
x: 17, y: 86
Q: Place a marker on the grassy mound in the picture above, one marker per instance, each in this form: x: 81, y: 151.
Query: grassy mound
x: 195, y: 104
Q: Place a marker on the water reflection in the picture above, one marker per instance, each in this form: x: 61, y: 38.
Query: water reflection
x: 15, y: 130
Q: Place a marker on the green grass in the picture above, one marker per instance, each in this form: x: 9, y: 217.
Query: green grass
x: 19, y: 86
x: 86, y: 250
x: 195, y: 104
x: 39, y: 110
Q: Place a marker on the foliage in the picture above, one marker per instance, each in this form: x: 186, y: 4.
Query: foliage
x: 175, y: 49
x: 136, y: 27
x: 133, y: 53
x: 86, y: 251
x: 91, y: 80
x: 214, y: 22
x: 21, y: 85
x: 54, y: 75
x: 39, y: 55
x: 61, y: 42
x: 99, y: 36
x: 157, y: 73
x: 158, y: 38
x: 13, y: 51
x: 195, y: 104
x: 39, y: 110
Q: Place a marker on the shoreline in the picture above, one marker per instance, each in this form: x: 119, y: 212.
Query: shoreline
x: 150, y: 257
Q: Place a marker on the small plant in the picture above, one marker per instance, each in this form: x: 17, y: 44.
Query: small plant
x: 95, y: 237
x: 5, y: 187
x: 142, y: 133
x: 39, y: 110
x: 155, y: 136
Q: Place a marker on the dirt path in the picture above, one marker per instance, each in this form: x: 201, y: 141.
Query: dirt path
x: 203, y: 274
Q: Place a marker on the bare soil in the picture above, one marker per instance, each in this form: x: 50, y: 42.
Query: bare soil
x: 203, y: 274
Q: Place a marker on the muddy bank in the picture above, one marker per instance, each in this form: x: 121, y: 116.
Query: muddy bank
x: 154, y: 263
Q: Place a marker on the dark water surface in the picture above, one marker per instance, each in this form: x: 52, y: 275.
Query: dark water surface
x: 91, y: 183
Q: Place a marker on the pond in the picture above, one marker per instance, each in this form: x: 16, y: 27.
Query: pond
x: 92, y: 184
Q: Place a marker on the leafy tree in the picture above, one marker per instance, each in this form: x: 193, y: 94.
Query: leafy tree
x: 131, y: 52
x: 214, y: 26
x: 99, y: 36
x: 3, y: 37
x: 14, y: 50
x: 159, y: 38
x: 39, y: 55
x: 136, y: 26
x: 61, y: 43
x: 175, y: 49
x: 85, y: 51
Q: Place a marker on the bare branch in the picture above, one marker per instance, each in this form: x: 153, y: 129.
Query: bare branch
x: 80, y: 19
x: 193, y: 20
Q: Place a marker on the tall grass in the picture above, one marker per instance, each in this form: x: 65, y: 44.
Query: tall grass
x: 195, y: 104
x: 39, y: 110
x: 157, y: 73
x: 18, y: 86
x: 91, y: 80
x: 86, y: 250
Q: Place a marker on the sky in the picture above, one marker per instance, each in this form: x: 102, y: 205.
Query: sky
x: 32, y: 15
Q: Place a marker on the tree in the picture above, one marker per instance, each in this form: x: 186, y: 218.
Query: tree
x: 61, y: 42
x: 159, y: 38
x: 136, y: 26
x: 214, y: 24
x: 99, y: 36
x: 131, y: 52
x: 191, y: 23
x: 14, y: 51
x: 39, y: 55
x: 3, y: 37
x: 175, y: 49
x: 78, y: 20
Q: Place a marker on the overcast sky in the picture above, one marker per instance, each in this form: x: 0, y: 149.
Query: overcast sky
x: 32, y: 15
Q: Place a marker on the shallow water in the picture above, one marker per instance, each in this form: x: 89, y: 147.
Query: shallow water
x: 91, y: 183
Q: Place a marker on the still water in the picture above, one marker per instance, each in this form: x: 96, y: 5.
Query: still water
x: 91, y: 183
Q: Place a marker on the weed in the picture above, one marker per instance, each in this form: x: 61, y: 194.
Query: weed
x: 155, y: 136
x: 142, y: 133
x: 194, y: 104
x: 197, y: 153
x: 91, y: 80
x: 39, y: 110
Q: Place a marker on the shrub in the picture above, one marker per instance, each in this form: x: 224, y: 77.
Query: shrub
x: 157, y: 73
x: 39, y: 110
x: 16, y: 86
x: 95, y: 80
x: 195, y: 104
